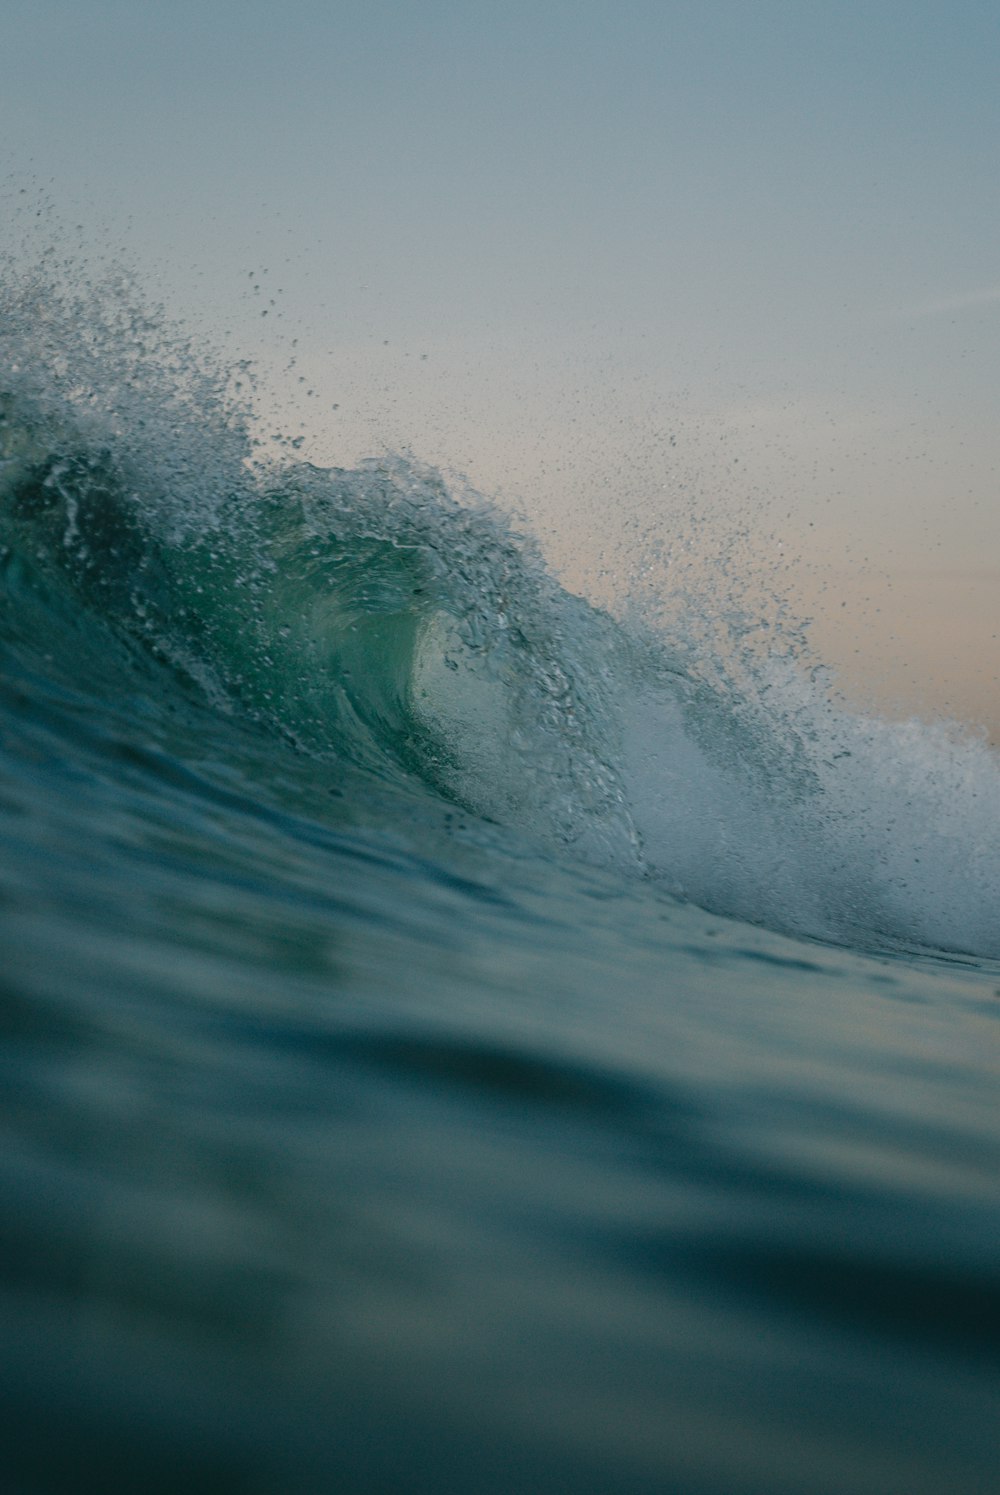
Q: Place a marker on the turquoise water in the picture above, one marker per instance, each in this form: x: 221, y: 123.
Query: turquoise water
x: 455, y: 1040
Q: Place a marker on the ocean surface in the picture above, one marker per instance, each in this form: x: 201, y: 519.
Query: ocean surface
x: 454, y: 1039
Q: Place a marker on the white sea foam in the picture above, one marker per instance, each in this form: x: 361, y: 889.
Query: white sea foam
x: 818, y: 820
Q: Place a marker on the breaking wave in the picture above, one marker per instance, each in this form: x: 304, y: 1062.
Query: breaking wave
x: 375, y: 618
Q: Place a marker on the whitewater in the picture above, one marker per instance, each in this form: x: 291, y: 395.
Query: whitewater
x: 457, y: 1036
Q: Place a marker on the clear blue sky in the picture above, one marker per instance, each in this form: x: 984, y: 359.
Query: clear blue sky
x: 605, y: 225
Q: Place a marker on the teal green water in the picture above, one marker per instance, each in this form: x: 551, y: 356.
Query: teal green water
x: 453, y: 1041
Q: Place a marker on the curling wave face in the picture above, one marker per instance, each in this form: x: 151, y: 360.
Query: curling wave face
x: 380, y: 624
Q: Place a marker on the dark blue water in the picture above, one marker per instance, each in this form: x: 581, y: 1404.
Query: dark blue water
x: 453, y: 1041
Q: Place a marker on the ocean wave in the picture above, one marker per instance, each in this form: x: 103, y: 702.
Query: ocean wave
x: 374, y: 617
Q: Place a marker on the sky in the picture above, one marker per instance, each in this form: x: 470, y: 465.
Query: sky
x: 612, y: 261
